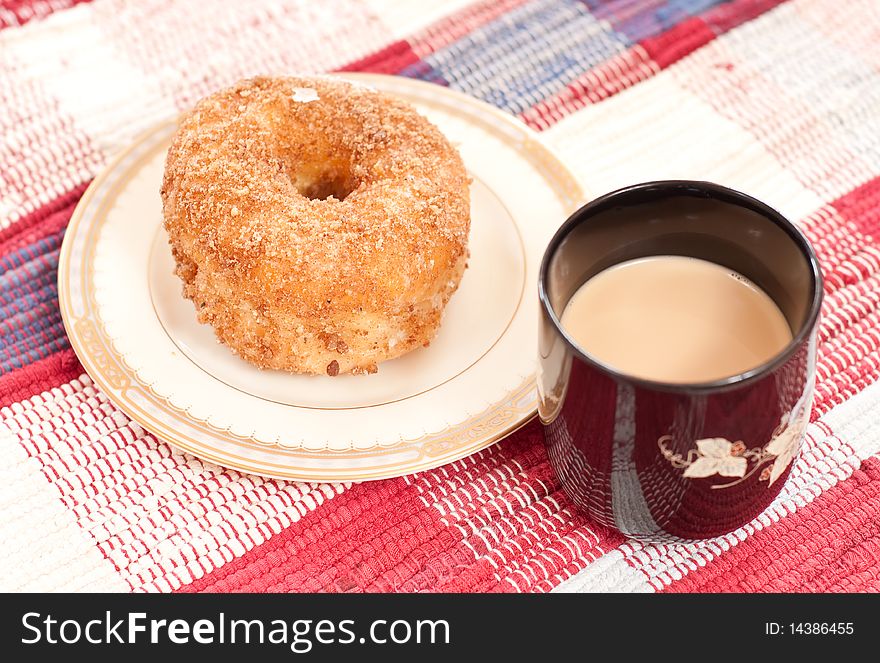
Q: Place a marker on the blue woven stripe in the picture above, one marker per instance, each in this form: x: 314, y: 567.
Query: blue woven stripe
x: 33, y: 341
x: 28, y: 271
x: 20, y: 329
x: 34, y: 344
x: 32, y: 326
x: 46, y: 290
x: 645, y: 19
x: 23, y: 284
x: 30, y: 356
x: 524, y: 56
x: 24, y: 255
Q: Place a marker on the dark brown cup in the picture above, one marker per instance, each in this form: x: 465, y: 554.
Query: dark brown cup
x: 656, y: 460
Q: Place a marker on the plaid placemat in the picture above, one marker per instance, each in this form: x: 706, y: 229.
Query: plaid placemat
x: 781, y: 100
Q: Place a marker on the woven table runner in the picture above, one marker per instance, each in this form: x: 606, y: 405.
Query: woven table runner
x: 780, y: 100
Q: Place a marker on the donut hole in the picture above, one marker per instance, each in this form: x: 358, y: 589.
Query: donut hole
x: 322, y: 188
x: 323, y: 179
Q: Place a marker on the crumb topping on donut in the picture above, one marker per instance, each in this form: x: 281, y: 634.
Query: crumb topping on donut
x: 319, y: 229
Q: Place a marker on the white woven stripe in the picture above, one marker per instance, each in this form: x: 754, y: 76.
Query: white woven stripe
x: 858, y: 37
x: 657, y: 130
x: 406, y: 17
x: 857, y: 420
x: 90, y: 79
x: 812, y: 104
x: 82, y: 83
x: 509, y: 519
x: 162, y: 517
x: 609, y: 573
x: 716, y: 114
x: 41, y: 547
x: 42, y: 153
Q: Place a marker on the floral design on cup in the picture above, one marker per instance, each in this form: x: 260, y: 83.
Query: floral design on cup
x: 715, y: 455
x: 718, y: 456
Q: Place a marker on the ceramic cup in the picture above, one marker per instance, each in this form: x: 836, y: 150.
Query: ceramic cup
x: 657, y: 460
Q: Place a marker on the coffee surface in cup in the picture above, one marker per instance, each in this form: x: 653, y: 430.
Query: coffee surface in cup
x: 675, y: 319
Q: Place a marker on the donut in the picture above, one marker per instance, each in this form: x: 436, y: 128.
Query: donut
x: 319, y: 226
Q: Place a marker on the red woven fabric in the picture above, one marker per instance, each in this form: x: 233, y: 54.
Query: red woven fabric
x: 19, y: 12
x: 831, y: 545
x: 42, y: 375
x: 381, y: 536
x: 777, y: 99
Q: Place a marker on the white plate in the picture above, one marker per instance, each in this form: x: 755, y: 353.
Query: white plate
x: 138, y: 337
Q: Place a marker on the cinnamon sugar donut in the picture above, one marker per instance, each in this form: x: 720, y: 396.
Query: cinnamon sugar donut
x: 319, y: 226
